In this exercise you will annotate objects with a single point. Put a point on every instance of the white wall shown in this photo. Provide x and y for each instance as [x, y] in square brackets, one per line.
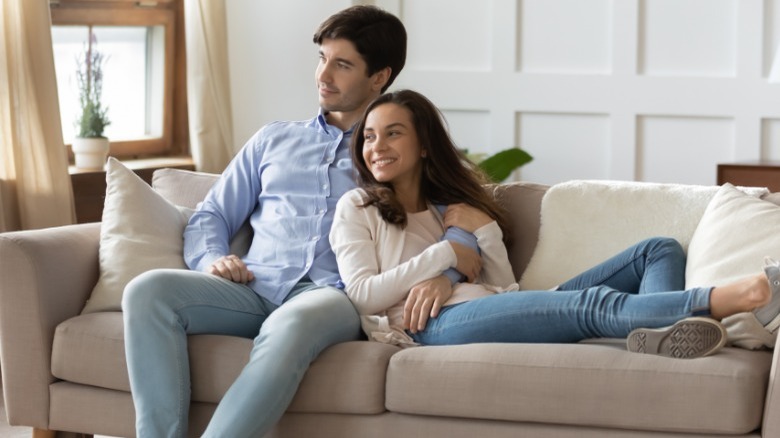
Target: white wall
[272, 60]
[647, 90]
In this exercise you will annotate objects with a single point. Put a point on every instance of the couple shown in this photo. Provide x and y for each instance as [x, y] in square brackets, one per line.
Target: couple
[286, 292]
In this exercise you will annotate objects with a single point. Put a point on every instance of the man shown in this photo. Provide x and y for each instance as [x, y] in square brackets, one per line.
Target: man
[284, 292]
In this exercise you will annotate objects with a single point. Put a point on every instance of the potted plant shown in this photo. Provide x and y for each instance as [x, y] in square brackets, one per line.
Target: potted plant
[500, 165]
[90, 147]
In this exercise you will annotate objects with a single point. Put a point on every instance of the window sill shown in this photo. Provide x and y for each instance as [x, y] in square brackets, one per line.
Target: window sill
[89, 185]
[141, 164]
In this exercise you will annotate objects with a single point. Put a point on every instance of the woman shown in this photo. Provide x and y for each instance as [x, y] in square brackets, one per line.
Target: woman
[387, 239]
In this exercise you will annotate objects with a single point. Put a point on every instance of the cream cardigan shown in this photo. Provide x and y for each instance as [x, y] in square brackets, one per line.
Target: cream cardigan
[368, 251]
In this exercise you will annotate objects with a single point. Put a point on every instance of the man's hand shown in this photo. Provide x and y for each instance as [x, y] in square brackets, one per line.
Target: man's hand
[469, 261]
[425, 300]
[466, 217]
[232, 268]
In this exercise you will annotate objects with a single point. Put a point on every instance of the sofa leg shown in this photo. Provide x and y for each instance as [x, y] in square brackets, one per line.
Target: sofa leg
[43, 433]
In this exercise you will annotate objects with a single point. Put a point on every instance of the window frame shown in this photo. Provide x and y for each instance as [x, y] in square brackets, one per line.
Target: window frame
[139, 13]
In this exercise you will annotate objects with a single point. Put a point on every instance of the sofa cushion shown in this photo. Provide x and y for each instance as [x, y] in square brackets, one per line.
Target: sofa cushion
[582, 384]
[345, 378]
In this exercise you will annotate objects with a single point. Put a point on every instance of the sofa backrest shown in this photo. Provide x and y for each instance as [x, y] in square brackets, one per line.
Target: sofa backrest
[184, 188]
[521, 199]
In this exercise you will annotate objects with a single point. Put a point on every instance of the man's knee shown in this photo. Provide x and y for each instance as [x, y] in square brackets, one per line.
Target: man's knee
[148, 288]
[321, 315]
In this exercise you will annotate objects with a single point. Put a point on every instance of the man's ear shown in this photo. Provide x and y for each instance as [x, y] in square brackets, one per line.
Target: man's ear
[381, 77]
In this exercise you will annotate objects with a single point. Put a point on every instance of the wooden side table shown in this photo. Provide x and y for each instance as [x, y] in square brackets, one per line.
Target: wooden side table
[752, 174]
[89, 186]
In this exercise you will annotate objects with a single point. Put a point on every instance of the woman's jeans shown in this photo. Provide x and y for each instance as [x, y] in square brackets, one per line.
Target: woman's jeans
[162, 307]
[640, 287]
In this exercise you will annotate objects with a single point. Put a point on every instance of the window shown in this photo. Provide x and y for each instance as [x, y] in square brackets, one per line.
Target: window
[146, 105]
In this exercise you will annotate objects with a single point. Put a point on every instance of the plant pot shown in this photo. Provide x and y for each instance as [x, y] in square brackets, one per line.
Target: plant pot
[90, 153]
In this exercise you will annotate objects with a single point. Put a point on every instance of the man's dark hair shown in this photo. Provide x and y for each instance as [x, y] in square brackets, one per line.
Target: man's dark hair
[378, 36]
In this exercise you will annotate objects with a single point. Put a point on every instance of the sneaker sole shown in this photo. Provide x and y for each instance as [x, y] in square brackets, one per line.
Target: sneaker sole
[686, 339]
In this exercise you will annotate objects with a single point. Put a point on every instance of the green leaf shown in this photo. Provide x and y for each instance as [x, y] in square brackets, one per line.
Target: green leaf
[500, 165]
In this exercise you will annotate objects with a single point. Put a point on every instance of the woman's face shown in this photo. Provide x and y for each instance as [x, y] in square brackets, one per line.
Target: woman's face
[391, 149]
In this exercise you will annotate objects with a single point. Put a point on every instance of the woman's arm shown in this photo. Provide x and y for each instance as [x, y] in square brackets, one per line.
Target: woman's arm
[364, 244]
[496, 269]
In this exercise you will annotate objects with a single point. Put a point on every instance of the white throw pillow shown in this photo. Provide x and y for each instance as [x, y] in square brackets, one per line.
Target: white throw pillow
[734, 235]
[140, 231]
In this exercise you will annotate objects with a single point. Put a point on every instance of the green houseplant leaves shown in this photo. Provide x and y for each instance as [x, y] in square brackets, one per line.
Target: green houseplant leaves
[500, 165]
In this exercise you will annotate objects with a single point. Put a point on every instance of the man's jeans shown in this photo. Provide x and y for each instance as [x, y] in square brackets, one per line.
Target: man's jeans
[640, 287]
[162, 307]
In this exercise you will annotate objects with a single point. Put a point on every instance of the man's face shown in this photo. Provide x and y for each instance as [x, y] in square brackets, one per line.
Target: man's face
[342, 80]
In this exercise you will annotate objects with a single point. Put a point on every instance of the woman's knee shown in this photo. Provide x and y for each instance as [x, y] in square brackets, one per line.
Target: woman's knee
[666, 246]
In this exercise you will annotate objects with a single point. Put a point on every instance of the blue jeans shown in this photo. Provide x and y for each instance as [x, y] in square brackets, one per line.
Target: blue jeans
[640, 287]
[162, 307]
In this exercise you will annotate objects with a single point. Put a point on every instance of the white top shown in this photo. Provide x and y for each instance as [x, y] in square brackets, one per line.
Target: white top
[378, 274]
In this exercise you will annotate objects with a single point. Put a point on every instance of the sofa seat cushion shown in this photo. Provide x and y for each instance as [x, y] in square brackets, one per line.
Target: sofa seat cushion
[582, 384]
[346, 378]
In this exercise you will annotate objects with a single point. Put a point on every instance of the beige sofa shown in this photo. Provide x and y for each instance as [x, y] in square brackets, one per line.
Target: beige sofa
[66, 371]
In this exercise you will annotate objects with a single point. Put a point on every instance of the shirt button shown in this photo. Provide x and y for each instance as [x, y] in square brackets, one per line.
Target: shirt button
[324, 187]
[313, 238]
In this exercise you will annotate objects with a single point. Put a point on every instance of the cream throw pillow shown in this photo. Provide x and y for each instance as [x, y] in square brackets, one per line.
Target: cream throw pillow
[736, 232]
[734, 235]
[140, 231]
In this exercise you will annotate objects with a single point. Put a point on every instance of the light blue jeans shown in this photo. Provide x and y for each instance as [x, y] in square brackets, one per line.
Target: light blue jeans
[640, 287]
[162, 307]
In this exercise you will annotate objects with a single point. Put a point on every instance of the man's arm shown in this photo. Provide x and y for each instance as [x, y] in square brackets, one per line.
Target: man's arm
[457, 235]
[227, 206]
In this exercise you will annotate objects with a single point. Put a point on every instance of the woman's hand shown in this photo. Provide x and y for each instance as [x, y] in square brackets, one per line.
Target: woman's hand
[425, 300]
[231, 267]
[466, 217]
[469, 261]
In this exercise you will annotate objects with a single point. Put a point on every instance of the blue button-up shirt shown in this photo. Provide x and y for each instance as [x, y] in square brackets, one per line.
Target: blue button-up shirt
[286, 180]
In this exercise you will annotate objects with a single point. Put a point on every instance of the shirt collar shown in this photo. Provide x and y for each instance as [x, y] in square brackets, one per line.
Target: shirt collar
[323, 122]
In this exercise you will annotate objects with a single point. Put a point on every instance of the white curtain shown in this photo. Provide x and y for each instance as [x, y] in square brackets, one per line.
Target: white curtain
[208, 85]
[35, 189]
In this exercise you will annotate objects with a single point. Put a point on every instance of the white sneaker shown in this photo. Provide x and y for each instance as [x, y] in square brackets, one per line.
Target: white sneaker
[769, 315]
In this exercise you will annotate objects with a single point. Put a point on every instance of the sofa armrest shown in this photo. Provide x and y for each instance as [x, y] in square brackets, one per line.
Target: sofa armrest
[771, 424]
[46, 276]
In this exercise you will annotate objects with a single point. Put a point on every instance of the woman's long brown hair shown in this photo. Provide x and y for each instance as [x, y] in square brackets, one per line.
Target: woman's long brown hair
[448, 177]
